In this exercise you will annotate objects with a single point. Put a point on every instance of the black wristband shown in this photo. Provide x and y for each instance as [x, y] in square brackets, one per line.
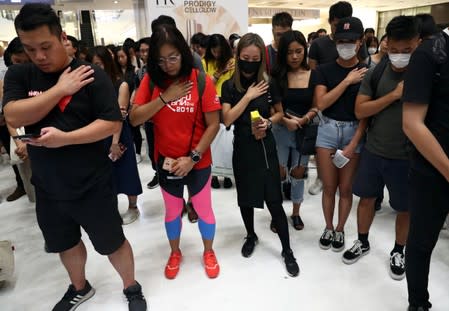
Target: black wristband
[160, 96]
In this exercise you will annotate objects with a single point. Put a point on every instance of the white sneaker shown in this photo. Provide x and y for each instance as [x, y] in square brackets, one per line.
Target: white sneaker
[138, 158]
[130, 216]
[316, 187]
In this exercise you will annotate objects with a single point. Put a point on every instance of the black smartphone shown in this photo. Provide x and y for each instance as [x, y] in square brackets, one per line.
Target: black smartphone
[27, 136]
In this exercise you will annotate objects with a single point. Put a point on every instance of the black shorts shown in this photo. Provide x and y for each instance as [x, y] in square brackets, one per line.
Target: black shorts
[96, 212]
[376, 172]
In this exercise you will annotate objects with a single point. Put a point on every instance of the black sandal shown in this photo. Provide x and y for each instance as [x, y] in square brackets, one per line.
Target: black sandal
[297, 222]
[273, 227]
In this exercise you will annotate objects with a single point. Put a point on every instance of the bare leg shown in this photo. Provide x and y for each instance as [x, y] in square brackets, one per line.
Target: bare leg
[329, 175]
[297, 173]
[123, 261]
[346, 177]
[402, 226]
[365, 214]
[74, 261]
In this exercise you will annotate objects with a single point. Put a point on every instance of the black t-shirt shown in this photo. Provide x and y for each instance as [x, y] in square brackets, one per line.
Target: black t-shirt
[230, 95]
[68, 172]
[272, 57]
[331, 75]
[298, 100]
[324, 50]
[427, 82]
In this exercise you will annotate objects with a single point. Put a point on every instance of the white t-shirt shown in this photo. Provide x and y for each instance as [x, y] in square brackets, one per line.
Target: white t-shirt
[446, 31]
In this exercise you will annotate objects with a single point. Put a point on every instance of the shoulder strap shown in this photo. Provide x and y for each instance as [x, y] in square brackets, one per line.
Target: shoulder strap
[377, 73]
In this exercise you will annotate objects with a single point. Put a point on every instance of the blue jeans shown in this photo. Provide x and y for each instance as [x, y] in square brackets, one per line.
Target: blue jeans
[333, 134]
[286, 144]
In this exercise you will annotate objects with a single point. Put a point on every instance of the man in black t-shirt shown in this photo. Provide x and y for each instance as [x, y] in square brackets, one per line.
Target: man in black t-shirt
[281, 23]
[384, 158]
[426, 123]
[69, 108]
[324, 50]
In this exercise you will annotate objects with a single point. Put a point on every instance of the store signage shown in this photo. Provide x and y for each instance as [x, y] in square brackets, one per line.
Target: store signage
[192, 16]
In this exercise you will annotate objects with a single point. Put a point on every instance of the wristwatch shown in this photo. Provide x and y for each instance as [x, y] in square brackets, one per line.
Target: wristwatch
[195, 156]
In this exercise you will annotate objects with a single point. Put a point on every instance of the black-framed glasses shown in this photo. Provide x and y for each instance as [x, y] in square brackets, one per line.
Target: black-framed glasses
[171, 60]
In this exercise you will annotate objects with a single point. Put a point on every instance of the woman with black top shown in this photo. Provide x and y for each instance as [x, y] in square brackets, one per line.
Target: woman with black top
[340, 134]
[122, 58]
[293, 85]
[120, 145]
[255, 162]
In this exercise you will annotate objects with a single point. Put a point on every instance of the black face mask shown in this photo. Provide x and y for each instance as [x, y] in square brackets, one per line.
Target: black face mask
[249, 67]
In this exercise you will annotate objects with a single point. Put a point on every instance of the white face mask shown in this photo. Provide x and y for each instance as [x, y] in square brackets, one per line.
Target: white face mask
[372, 51]
[346, 50]
[399, 60]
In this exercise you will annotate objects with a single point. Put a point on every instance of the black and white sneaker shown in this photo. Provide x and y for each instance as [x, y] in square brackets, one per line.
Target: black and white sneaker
[73, 298]
[338, 244]
[136, 300]
[397, 266]
[355, 252]
[290, 263]
[326, 239]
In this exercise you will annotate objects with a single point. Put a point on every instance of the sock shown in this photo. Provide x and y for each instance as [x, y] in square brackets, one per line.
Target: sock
[363, 237]
[397, 249]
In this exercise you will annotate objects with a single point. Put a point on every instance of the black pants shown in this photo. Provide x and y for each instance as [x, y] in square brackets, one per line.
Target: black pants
[137, 138]
[279, 219]
[429, 197]
[5, 138]
[149, 131]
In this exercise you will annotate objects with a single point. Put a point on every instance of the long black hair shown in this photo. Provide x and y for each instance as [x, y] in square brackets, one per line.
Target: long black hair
[218, 41]
[129, 65]
[281, 68]
[109, 65]
[168, 35]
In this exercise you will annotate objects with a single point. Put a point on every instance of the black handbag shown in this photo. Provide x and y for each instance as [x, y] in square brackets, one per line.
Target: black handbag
[306, 137]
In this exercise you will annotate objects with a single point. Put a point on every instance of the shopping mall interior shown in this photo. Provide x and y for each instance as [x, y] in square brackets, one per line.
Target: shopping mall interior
[259, 283]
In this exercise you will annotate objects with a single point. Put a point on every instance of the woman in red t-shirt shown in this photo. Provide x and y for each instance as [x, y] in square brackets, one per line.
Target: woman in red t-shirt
[184, 107]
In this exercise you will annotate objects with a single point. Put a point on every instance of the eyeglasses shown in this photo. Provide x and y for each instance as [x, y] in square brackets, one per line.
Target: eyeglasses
[171, 60]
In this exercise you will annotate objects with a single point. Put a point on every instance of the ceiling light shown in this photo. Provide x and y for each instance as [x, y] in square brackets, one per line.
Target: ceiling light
[115, 2]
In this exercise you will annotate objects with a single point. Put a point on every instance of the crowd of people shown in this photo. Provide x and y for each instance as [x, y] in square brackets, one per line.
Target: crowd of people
[374, 110]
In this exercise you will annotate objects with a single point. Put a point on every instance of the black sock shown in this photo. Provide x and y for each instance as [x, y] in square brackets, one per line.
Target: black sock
[363, 237]
[397, 249]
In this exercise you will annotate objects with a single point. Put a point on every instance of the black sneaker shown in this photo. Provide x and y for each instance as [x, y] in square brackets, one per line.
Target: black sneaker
[326, 239]
[215, 183]
[136, 300]
[154, 182]
[249, 245]
[290, 263]
[227, 183]
[338, 243]
[397, 266]
[73, 298]
[355, 252]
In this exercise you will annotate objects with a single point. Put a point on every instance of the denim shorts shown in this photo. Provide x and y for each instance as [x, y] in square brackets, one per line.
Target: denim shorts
[333, 134]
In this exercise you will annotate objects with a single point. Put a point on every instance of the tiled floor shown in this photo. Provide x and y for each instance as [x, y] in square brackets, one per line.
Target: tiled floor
[259, 283]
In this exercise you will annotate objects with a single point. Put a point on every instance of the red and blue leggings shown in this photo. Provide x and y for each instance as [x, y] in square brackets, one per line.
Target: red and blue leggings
[198, 183]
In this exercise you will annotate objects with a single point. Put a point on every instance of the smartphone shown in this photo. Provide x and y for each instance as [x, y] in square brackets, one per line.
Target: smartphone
[27, 137]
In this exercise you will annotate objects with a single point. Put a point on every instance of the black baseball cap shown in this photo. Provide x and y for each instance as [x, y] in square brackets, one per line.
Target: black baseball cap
[349, 28]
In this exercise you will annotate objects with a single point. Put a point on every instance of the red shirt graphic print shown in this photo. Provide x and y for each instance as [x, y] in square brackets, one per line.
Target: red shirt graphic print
[173, 124]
